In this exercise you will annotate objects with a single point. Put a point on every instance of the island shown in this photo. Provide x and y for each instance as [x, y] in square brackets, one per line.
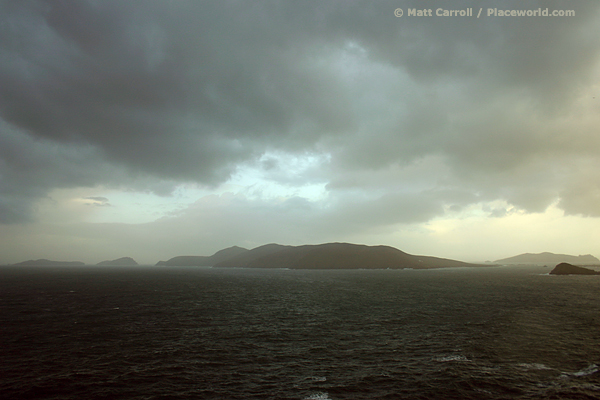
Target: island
[336, 256]
[119, 262]
[569, 269]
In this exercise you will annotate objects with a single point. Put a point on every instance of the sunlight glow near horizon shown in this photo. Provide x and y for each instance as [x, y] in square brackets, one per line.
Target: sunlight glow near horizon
[474, 236]
[468, 235]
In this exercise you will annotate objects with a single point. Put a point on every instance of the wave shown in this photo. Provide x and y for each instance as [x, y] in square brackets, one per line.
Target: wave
[589, 370]
[454, 358]
[534, 366]
[318, 396]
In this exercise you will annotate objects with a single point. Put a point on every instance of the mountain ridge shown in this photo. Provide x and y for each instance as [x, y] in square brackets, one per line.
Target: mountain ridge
[336, 256]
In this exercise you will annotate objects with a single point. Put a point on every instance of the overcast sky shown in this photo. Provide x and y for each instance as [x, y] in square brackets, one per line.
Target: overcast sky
[153, 129]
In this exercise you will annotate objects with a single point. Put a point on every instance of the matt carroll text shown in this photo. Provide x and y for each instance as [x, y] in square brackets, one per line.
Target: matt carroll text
[439, 12]
[490, 12]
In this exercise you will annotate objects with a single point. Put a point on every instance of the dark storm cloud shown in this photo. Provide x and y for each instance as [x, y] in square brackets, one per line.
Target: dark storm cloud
[145, 94]
[177, 91]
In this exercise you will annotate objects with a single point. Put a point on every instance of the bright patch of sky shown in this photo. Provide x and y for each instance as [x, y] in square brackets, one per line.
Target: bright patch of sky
[281, 175]
[276, 175]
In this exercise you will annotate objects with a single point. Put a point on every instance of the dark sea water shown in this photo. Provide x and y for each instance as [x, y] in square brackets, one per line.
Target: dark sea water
[203, 333]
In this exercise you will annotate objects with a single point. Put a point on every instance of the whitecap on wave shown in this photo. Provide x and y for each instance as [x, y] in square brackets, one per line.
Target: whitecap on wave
[592, 369]
[455, 358]
[533, 366]
[318, 396]
[589, 370]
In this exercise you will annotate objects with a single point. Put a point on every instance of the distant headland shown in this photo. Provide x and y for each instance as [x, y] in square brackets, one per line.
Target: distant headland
[49, 263]
[549, 259]
[119, 262]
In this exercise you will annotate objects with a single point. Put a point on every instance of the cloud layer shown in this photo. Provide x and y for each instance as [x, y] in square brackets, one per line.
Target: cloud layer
[407, 118]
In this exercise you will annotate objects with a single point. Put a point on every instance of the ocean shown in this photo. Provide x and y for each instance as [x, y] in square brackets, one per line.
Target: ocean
[205, 333]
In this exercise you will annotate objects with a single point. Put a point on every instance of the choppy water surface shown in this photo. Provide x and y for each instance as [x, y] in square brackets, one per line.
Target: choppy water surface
[202, 333]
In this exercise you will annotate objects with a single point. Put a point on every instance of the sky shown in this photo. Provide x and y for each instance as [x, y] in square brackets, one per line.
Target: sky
[153, 129]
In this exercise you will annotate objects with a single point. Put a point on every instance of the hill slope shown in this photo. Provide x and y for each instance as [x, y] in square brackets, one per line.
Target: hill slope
[205, 261]
[245, 259]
